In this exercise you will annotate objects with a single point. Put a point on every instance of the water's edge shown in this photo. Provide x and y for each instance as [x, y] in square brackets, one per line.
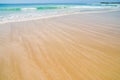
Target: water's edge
[16, 13]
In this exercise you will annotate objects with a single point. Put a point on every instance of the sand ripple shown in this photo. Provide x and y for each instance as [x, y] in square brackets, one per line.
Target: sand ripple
[76, 47]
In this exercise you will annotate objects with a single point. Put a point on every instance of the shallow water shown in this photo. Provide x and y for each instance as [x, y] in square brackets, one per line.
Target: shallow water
[18, 12]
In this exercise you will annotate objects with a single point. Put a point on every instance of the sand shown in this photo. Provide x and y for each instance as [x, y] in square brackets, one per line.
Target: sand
[72, 47]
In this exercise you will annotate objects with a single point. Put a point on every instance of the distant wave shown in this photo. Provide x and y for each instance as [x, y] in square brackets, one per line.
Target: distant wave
[32, 8]
[52, 7]
[10, 9]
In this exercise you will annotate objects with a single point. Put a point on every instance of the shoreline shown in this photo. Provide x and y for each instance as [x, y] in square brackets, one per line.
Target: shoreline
[59, 16]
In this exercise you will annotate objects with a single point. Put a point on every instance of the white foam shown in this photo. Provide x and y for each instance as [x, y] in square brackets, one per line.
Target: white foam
[92, 7]
[32, 13]
[26, 9]
[16, 18]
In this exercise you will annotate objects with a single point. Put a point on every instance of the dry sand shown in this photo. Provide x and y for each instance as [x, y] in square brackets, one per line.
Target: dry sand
[73, 47]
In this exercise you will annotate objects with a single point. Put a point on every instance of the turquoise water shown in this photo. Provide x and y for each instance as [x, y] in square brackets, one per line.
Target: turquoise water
[17, 12]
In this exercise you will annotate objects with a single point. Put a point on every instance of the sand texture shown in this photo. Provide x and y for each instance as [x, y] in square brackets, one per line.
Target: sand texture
[73, 47]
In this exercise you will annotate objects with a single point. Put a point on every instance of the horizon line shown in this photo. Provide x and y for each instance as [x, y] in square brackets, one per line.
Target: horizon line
[49, 3]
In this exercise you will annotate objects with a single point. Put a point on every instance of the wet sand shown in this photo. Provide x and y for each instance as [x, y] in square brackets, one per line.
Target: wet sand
[72, 47]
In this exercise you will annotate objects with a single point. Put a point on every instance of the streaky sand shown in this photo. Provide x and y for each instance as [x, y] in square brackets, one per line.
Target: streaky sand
[72, 47]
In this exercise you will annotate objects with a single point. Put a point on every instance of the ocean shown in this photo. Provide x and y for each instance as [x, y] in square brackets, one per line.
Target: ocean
[20, 12]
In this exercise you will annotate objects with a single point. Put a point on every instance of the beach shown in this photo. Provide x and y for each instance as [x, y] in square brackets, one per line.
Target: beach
[70, 47]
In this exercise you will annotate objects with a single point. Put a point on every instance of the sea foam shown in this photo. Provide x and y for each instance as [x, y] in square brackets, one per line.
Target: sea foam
[17, 13]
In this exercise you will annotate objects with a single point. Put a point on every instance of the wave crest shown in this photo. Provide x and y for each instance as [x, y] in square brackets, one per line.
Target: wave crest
[26, 9]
